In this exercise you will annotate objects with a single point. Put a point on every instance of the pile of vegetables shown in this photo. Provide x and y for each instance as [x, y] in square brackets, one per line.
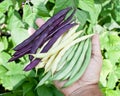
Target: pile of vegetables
[58, 48]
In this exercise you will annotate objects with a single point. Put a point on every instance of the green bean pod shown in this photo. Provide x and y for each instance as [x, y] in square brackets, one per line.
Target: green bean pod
[82, 69]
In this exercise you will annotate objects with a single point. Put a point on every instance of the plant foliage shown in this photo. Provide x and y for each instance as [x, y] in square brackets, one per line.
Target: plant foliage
[16, 16]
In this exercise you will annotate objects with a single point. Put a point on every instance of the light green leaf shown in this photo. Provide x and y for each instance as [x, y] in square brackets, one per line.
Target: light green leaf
[1, 45]
[13, 81]
[37, 2]
[106, 69]
[98, 29]
[114, 47]
[112, 80]
[104, 40]
[110, 41]
[117, 72]
[30, 20]
[4, 57]
[14, 69]
[113, 25]
[14, 20]
[110, 92]
[18, 3]
[26, 11]
[2, 69]
[19, 34]
[115, 54]
[114, 38]
[5, 5]
[5, 43]
[2, 18]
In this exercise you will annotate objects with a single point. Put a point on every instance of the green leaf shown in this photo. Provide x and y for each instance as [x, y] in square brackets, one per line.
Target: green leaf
[113, 25]
[62, 4]
[2, 18]
[110, 41]
[30, 93]
[110, 92]
[19, 34]
[92, 8]
[113, 49]
[115, 54]
[116, 10]
[104, 40]
[5, 43]
[14, 69]
[40, 8]
[27, 89]
[26, 11]
[55, 91]
[112, 80]
[2, 69]
[37, 2]
[18, 3]
[82, 17]
[14, 20]
[1, 45]
[88, 5]
[4, 57]
[30, 20]
[16, 93]
[106, 69]
[44, 91]
[52, 1]
[117, 72]
[17, 28]
[12, 82]
[5, 5]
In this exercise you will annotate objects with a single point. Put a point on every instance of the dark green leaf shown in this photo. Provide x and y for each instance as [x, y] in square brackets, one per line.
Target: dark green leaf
[62, 4]
[28, 89]
[44, 91]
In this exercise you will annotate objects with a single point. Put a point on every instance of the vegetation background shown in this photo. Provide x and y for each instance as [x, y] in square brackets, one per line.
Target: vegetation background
[16, 16]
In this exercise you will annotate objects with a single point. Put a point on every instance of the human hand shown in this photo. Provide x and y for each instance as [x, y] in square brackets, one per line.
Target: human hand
[92, 73]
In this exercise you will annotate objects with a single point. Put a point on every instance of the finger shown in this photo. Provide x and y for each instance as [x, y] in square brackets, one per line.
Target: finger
[39, 22]
[31, 31]
[96, 45]
[65, 91]
[93, 70]
[59, 84]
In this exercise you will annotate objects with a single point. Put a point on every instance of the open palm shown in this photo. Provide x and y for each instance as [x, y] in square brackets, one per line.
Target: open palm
[92, 73]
